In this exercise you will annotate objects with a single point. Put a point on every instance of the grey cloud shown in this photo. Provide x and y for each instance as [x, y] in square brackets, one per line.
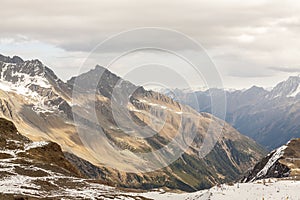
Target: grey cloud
[243, 37]
[286, 69]
[251, 74]
[79, 25]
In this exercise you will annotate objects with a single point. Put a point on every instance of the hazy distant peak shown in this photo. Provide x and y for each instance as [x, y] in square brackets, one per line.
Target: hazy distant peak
[256, 88]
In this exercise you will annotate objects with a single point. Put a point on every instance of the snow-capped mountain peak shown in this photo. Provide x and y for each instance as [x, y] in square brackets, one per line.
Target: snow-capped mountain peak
[31, 79]
[288, 88]
[21, 76]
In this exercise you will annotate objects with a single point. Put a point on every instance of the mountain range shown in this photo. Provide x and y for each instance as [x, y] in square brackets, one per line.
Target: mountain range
[270, 117]
[43, 108]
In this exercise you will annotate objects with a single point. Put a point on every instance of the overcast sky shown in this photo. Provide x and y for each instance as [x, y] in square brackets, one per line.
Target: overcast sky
[251, 43]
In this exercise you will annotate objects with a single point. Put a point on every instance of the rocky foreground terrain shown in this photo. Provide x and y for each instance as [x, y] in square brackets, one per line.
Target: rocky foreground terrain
[39, 170]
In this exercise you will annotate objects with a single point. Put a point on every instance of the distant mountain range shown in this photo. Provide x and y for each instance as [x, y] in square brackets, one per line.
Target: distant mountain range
[42, 108]
[270, 117]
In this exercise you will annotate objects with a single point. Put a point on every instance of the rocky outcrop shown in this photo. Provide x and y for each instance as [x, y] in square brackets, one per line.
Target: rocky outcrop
[281, 163]
[22, 150]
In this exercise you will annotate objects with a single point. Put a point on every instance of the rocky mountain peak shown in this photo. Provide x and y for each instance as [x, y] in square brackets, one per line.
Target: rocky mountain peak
[254, 91]
[15, 70]
[256, 88]
[29, 66]
[14, 59]
[100, 79]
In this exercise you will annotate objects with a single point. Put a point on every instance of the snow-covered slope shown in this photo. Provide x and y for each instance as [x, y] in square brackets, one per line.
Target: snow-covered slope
[269, 189]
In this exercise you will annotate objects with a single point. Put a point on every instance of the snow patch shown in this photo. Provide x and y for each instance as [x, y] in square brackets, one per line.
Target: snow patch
[295, 92]
[35, 145]
[278, 153]
[272, 189]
